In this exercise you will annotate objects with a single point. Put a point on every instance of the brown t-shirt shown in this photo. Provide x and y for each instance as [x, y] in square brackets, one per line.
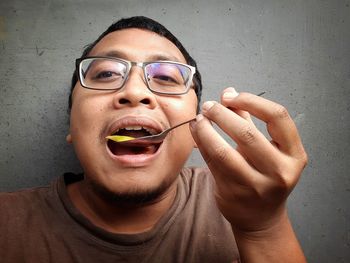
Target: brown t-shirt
[42, 225]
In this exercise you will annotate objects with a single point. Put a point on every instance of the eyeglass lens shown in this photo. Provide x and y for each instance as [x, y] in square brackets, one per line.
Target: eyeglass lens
[104, 73]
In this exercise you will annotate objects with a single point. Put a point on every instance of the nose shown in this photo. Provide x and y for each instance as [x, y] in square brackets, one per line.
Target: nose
[135, 92]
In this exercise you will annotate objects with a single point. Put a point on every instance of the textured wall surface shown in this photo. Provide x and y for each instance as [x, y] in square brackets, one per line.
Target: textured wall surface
[297, 51]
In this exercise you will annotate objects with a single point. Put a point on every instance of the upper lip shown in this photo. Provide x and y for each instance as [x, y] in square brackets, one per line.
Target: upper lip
[128, 121]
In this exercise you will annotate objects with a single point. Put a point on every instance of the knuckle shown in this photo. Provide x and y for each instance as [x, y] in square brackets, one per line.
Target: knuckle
[284, 183]
[304, 158]
[218, 154]
[285, 178]
[281, 112]
[247, 135]
[280, 183]
[221, 154]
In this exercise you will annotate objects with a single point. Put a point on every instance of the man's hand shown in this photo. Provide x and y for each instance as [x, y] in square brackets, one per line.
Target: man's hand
[254, 179]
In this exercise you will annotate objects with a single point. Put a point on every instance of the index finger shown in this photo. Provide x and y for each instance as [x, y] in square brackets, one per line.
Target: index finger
[280, 125]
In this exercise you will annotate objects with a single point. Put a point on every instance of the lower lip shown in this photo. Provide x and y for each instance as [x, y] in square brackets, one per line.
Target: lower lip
[135, 160]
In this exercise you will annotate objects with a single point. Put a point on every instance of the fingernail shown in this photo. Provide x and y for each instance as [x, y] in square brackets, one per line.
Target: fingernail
[207, 105]
[229, 94]
[194, 122]
[199, 117]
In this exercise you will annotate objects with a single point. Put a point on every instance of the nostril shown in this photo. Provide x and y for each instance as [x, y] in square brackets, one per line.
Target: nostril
[146, 101]
[123, 101]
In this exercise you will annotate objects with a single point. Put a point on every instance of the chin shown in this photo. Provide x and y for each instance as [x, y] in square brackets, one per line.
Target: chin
[133, 195]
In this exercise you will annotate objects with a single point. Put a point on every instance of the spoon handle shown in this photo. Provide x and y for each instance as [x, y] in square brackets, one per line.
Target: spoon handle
[151, 138]
[160, 136]
[182, 123]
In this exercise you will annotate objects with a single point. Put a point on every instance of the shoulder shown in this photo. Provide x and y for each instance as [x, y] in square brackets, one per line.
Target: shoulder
[21, 195]
[22, 202]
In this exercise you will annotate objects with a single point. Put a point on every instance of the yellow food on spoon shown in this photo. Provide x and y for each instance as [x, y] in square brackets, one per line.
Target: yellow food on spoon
[120, 138]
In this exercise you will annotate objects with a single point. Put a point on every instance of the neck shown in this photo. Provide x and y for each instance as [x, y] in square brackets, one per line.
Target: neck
[120, 217]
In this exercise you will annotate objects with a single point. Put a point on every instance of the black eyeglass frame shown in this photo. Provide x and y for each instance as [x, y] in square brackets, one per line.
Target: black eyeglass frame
[129, 65]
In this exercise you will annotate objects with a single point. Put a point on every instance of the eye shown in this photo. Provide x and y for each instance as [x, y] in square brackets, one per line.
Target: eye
[104, 74]
[107, 75]
[165, 78]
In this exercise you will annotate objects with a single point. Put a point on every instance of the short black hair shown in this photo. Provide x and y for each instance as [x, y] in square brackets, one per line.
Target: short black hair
[149, 24]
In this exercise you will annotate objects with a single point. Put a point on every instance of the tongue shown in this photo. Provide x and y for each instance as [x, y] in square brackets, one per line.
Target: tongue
[119, 149]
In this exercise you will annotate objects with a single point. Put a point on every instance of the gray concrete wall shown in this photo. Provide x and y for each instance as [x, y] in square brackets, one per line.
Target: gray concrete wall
[297, 51]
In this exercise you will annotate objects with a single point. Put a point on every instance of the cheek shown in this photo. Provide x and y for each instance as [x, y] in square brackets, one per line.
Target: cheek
[180, 109]
[84, 117]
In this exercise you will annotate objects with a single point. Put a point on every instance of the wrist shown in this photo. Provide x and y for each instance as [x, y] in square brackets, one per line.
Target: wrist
[276, 243]
[267, 230]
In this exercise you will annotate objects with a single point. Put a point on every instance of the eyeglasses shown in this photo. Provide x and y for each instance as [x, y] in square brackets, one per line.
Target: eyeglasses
[108, 73]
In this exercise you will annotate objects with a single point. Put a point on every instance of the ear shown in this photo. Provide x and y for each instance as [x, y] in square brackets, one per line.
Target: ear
[69, 139]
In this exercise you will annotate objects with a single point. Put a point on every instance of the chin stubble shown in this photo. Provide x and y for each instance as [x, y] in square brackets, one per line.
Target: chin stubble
[133, 197]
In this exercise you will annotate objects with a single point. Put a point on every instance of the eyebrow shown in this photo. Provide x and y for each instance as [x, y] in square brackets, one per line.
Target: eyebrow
[152, 57]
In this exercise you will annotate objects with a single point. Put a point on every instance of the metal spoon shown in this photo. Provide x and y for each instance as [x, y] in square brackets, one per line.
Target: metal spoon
[156, 138]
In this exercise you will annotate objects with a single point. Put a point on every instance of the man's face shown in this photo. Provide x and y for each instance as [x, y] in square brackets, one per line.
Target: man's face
[97, 114]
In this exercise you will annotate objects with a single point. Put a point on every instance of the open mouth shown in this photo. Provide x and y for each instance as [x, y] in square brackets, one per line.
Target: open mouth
[133, 148]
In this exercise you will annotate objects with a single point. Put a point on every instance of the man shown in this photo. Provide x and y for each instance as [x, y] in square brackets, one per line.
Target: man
[136, 202]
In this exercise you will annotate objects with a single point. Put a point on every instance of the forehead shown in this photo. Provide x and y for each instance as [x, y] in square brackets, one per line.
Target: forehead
[137, 45]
